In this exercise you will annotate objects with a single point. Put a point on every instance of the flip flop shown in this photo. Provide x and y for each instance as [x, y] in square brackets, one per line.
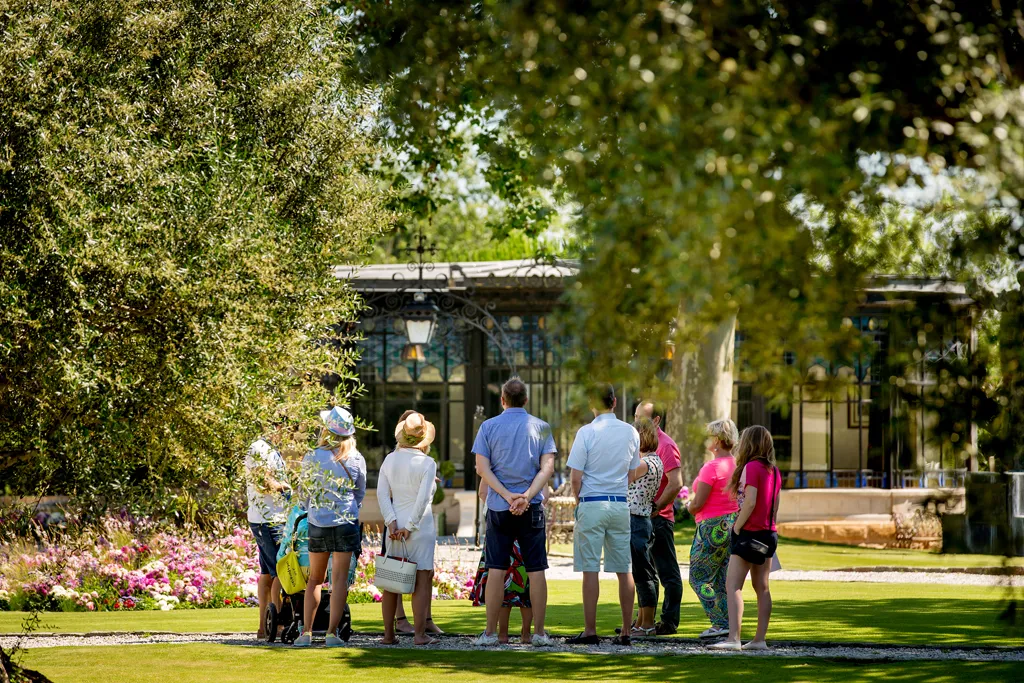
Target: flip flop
[432, 641]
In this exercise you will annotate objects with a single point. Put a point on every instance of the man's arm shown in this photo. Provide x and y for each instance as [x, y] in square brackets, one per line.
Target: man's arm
[638, 472]
[483, 469]
[547, 469]
[672, 489]
[576, 478]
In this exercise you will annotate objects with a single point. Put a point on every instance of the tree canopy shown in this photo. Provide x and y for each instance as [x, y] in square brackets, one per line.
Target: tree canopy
[176, 180]
[685, 130]
[691, 133]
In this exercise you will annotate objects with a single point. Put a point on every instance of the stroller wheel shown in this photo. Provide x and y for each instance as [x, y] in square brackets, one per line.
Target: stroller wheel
[272, 622]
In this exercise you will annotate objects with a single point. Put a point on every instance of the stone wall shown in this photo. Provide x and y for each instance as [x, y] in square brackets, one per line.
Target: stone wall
[904, 518]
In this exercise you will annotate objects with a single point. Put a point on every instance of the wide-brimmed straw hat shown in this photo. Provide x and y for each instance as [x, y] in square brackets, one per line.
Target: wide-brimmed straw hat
[339, 421]
[415, 431]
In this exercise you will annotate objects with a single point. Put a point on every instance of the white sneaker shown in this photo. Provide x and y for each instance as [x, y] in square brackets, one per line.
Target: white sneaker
[333, 641]
[754, 645]
[714, 633]
[725, 645]
[305, 640]
[542, 640]
[486, 639]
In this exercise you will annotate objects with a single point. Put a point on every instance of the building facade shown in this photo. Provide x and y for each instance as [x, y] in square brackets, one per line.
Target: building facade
[492, 320]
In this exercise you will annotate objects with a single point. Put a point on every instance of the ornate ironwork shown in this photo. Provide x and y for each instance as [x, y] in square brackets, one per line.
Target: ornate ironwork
[463, 310]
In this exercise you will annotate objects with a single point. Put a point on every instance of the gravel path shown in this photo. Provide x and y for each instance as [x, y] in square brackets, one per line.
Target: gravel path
[661, 646]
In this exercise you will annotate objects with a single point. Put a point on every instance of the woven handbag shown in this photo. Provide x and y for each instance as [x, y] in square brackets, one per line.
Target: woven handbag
[395, 574]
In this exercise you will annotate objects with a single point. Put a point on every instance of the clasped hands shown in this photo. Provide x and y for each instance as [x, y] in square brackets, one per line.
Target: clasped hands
[396, 534]
[518, 503]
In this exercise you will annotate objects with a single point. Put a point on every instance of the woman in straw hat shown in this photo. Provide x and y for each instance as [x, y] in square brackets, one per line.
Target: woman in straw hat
[405, 490]
[333, 484]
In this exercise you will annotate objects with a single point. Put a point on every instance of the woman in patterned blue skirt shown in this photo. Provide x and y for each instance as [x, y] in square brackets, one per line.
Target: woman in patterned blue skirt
[714, 510]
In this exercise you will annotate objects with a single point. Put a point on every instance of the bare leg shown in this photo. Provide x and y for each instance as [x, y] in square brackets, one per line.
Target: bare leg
[389, 603]
[538, 599]
[275, 593]
[403, 622]
[738, 568]
[494, 595]
[263, 589]
[503, 618]
[759, 580]
[626, 591]
[591, 592]
[645, 618]
[317, 574]
[339, 588]
[526, 613]
[421, 605]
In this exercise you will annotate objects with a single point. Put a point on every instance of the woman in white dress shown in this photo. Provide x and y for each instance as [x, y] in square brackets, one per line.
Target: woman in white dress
[405, 491]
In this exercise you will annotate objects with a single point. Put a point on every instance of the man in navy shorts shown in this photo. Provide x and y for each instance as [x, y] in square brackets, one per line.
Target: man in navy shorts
[515, 456]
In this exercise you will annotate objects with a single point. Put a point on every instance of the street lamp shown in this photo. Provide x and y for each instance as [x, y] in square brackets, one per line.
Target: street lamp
[420, 320]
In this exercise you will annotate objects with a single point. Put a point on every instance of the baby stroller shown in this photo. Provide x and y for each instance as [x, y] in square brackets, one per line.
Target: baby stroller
[290, 615]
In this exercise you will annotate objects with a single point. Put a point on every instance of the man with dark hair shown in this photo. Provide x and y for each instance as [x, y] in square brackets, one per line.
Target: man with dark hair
[663, 545]
[513, 393]
[515, 456]
[604, 460]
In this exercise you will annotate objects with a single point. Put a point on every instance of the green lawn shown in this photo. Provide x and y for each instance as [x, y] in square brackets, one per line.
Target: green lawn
[228, 664]
[796, 554]
[841, 612]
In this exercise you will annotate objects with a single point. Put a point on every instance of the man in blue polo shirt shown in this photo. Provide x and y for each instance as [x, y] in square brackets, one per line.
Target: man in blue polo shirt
[515, 456]
[604, 459]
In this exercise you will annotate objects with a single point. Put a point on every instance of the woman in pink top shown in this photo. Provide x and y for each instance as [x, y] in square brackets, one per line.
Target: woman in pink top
[714, 510]
[757, 484]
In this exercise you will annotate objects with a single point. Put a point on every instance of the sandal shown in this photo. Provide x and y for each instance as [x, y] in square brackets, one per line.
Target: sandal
[433, 628]
[638, 632]
[430, 641]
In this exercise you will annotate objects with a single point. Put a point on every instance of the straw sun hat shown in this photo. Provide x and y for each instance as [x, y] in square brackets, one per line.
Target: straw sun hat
[414, 431]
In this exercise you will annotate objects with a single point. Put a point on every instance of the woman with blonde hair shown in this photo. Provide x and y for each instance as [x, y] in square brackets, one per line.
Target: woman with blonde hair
[714, 511]
[756, 483]
[405, 490]
[640, 497]
[334, 484]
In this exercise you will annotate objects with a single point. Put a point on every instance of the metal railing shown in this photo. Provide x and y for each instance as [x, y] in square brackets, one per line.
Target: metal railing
[857, 479]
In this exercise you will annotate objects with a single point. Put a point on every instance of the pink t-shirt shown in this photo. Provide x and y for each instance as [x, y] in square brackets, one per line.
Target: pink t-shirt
[717, 474]
[768, 482]
[668, 451]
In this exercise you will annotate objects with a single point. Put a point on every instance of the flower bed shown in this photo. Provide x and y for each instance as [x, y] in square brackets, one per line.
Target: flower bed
[123, 567]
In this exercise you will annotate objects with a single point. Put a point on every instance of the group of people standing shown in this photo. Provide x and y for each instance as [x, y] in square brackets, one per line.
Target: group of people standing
[625, 478]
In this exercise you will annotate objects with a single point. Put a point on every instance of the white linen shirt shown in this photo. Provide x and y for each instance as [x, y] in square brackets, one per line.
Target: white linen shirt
[605, 450]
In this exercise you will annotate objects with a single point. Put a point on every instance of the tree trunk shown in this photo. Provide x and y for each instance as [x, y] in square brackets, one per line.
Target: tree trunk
[703, 381]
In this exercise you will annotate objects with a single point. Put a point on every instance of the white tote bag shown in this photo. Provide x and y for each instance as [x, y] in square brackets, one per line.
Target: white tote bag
[395, 574]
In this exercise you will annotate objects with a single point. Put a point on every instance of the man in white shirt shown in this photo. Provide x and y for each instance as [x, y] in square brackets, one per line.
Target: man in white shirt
[603, 461]
[266, 483]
